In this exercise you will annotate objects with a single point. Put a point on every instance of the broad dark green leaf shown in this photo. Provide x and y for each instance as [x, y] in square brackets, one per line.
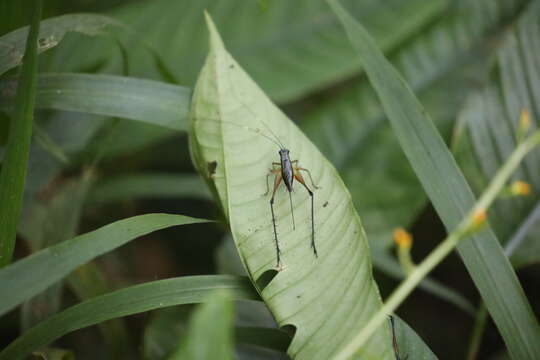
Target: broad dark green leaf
[450, 194]
[273, 41]
[210, 323]
[128, 301]
[15, 162]
[52, 31]
[149, 185]
[149, 101]
[36, 272]
[228, 112]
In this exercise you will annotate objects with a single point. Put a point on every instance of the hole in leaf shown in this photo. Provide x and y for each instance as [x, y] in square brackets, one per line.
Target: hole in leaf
[265, 278]
[289, 329]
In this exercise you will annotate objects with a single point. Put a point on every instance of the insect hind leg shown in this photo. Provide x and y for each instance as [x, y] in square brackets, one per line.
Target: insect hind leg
[277, 182]
[300, 179]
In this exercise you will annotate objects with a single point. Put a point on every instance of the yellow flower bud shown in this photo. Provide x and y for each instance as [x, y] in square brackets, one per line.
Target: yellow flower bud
[479, 218]
[402, 238]
[520, 188]
[524, 120]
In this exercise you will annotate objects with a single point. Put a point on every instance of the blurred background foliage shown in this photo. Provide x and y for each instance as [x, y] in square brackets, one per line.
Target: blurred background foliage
[473, 64]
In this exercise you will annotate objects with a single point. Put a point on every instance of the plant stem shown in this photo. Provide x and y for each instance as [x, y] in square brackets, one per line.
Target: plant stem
[478, 331]
[442, 250]
[14, 166]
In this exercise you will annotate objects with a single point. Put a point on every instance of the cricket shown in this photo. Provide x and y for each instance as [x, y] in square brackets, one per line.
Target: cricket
[285, 171]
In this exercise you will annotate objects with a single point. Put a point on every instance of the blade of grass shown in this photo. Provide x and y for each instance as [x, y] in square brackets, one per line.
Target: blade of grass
[210, 323]
[36, 272]
[128, 301]
[89, 281]
[46, 223]
[144, 100]
[450, 194]
[15, 161]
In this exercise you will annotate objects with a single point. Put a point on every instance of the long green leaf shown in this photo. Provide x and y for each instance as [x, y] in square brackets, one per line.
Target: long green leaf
[51, 33]
[128, 301]
[450, 194]
[88, 281]
[55, 219]
[150, 101]
[13, 173]
[36, 272]
[149, 185]
[210, 323]
[228, 112]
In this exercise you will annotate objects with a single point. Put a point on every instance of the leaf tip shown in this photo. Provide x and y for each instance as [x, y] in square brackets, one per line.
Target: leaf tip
[214, 37]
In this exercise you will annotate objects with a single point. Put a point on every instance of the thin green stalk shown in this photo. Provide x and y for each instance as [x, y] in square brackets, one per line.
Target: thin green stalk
[14, 167]
[405, 259]
[441, 251]
[49, 145]
[478, 331]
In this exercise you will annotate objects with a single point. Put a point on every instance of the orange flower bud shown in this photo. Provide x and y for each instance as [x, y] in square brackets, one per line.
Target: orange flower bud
[520, 188]
[524, 120]
[479, 218]
[402, 238]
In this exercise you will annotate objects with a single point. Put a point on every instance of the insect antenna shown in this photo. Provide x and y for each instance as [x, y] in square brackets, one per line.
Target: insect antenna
[255, 130]
[277, 141]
